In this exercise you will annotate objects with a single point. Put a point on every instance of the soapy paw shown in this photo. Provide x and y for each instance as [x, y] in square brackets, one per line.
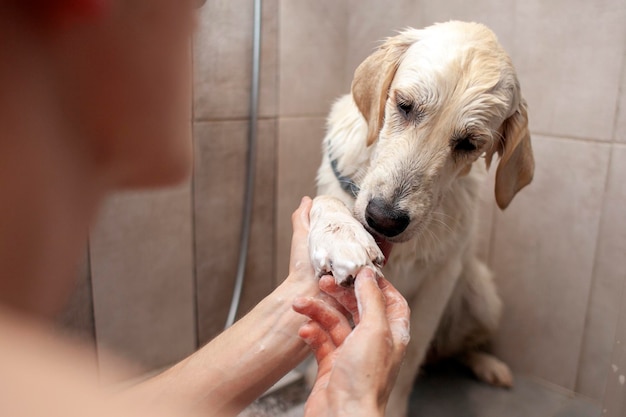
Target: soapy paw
[339, 244]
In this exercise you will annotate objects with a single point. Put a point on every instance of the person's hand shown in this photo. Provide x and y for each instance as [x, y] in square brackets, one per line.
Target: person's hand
[356, 368]
[301, 271]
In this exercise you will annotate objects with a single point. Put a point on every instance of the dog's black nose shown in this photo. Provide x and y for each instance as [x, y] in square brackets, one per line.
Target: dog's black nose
[386, 219]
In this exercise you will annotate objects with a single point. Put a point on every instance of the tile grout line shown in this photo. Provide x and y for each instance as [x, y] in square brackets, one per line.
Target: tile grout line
[572, 138]
[93, 307]
[277, 145]
[194, 256]
[324, 116]
[620, 91]
[261, 118]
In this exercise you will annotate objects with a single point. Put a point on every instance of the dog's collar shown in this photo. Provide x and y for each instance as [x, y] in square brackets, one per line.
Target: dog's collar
[346, 183]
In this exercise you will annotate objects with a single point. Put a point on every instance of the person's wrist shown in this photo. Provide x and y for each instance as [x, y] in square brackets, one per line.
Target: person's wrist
[301, 285]
[365, 407]
[302, 279]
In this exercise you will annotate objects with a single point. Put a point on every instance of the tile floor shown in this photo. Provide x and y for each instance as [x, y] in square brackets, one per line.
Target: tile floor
[449, 391]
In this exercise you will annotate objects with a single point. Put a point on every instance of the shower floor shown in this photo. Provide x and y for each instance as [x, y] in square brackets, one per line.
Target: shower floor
[449, 391]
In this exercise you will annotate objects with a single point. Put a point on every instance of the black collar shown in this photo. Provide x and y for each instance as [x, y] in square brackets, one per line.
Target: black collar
[346, 183]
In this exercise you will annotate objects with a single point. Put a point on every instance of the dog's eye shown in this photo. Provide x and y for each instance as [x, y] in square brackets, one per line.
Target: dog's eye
[464, 144]
[405, 108]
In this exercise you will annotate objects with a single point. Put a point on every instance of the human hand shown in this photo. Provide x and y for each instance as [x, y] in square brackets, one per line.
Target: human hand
[301, 271]
[356, 368]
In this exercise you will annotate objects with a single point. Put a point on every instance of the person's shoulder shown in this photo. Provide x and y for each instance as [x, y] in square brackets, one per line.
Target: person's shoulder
[43, 373]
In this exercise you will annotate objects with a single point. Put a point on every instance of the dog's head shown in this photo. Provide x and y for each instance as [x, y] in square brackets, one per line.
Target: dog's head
[435, 100]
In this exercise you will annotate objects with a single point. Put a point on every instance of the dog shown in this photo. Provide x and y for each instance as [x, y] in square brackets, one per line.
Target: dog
[400, 180]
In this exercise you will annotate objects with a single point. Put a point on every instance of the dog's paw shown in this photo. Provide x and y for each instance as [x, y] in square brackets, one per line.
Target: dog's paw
[491, 370]
[340, 245]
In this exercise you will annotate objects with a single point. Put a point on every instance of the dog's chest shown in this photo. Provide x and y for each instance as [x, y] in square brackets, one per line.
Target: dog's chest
[429, 256]
[406, 270]
[406, 276]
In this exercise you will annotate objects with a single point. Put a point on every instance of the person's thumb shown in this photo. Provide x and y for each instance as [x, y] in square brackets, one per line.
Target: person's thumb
[370, 299]
[299, 240]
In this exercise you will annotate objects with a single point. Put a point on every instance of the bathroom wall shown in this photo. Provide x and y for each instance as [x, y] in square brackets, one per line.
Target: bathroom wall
[223, 59]
[312, 56]
[159, 271]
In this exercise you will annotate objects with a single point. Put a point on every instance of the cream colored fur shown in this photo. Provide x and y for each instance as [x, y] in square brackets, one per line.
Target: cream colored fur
[461, 85]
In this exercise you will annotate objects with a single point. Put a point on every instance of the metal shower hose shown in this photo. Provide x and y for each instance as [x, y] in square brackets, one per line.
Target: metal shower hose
[244, 242]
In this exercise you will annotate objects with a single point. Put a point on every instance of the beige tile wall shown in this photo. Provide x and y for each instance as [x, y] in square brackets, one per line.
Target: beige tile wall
[223, 59]
[223, 74]
[312, 56]
[569, 57]
[614, 403]
[371, 21]
[299, 156]
[608, 280]
[142, 277]
[543, 255]
[218, 206]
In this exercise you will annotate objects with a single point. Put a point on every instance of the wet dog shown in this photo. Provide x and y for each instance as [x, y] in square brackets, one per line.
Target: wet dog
[404, 157]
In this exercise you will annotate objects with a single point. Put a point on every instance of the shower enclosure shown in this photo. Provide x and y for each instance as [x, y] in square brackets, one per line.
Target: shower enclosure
[160, 271]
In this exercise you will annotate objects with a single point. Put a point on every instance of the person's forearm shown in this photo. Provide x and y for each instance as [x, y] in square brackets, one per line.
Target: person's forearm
[242, 362]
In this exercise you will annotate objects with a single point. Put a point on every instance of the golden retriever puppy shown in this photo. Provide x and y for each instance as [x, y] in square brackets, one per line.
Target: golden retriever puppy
[400, 181]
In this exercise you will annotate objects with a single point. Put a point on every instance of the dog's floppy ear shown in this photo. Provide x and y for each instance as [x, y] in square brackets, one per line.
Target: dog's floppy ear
[370, 85]
[516, 165]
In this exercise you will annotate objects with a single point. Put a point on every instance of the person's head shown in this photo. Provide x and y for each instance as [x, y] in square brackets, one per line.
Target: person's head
[94, 96]
[119, 70]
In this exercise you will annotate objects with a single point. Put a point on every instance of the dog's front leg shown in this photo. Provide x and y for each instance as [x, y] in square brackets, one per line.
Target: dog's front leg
[427, 308]
[338, 243]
